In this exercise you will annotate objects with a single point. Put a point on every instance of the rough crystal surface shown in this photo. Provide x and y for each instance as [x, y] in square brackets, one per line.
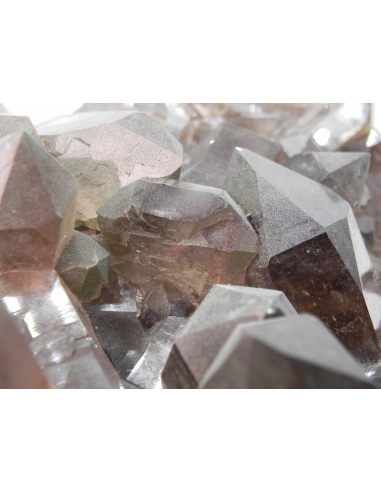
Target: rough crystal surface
[310, 248]
[12, 123]
[120, 334]
[18, 367]
[288, 352]
[344, 172]
[210, 326]
[186, 236]
[84, 266]
[37, 205]
[147, 372]
[209, 162]
[161, 302]
[108, 150]
[57, 330]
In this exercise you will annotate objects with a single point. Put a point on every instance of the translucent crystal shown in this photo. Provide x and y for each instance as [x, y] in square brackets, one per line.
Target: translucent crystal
[210, 326]
[288, 352]
[344, 172]
[11, 123]
[57, 330]
[95, 107]
[84, 266]
[37, 205]
[147, 372]
[311, 249]
[186, 236]
[108, 150]
[18, 367]
[210, 160]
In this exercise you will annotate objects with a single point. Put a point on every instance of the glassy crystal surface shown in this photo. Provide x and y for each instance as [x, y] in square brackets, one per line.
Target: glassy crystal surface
[288, 352]
[344, 172]
[84, 267]
[310, 248]
[95, 107]
[37, 205]
[18, 367]
[209, 162]
[108, 150]
[186, 236]
[147, 372]
[11, 123]
[57, 330]
[161, 302]
[120, 334]
[210, 326]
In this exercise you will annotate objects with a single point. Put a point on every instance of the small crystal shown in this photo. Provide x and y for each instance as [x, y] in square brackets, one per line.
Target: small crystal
[288, 352]
[84, 266]
[148, 370]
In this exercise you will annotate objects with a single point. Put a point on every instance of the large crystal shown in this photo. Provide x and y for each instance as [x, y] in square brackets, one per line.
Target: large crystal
[120, 334]
[37, 205]
[344, 172]
[291, 352]
[108, 150]
[3, 109]
[147, 372]
[84, 266]
[96, 107]
[57, 330]
[310, 248]
[18, 367]
[11, 123]
[161, 302]
[210, 326]
[210, 160]
[187, 236]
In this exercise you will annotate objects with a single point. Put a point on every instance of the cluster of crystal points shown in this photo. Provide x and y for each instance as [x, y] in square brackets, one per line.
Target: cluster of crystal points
[191, 245]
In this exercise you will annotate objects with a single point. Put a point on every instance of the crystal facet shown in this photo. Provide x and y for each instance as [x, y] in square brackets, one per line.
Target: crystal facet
[210, 326]
[186, 236]
[108, 150]
[37, 205]
[84, 266]
[57, 330]
[11, 123]
[311, 249]
[210, 161]
[288, 352]
[344, 172]
[147, 372]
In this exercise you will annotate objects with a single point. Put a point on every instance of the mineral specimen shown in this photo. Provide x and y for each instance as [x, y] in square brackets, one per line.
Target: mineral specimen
[292, 352]
[120, 334]
[108, 150]
[147, 372]
[84, 266]
[344, 172]
[210, 326]
[11, 123]
[18, 367]
[186, 236]
[57, 330]
[310, 248]
[96, 107]
[3, 109]
[161, 302]
[37, 205]
[210, 160]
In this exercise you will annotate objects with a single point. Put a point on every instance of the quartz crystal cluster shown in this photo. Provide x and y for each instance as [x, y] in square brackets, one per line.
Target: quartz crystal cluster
[191, 246]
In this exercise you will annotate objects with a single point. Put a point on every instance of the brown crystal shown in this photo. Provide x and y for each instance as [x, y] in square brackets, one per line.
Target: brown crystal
[37, 205]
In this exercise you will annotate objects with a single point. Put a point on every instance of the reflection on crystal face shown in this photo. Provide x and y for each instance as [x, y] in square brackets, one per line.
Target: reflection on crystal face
[108, 150]
[288, 352]
[186, 236]
[308, 234]
[53, 323]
